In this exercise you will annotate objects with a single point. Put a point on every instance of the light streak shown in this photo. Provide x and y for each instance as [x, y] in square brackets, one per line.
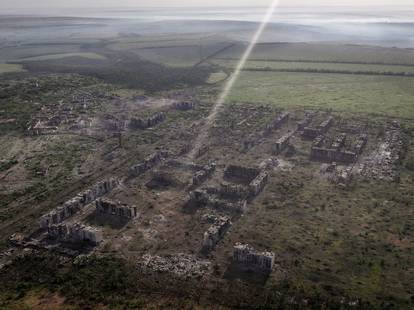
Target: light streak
[204, 131]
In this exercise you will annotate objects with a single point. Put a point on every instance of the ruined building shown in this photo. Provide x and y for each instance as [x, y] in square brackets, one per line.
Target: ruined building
[281, 144]
[75, 233]
[144, 123]
[258, 183]
[148, 163]
[244, 174]
[203, 174]
[278, 122]
[305, 122]
[248, 258]
[184, 105]
[204, 197]
[312, 133]
[216, 231]
[106, 206]
[75, 204]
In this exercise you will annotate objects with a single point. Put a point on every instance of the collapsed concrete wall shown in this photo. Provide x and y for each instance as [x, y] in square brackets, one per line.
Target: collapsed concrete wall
[203, 174]
[184, 105]
[248, 258]
[312, 133]
[305, 122]
[360, 144]
[149, 162]
[278, 122]
[245, 174]
[75, 204]
[144, 123]
[215, 232]
[75, 233]
[106, 206]
[203, 198]
[281, 144]
[332, 155]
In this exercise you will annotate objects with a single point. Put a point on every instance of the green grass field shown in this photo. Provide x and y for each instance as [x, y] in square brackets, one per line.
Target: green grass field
[64, 55]
[378, 95]
[7, 68]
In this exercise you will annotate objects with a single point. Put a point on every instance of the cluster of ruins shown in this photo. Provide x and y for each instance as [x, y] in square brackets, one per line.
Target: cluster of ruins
[203, 174]
[282, 143]
[184, 105]
[256, 179]
[144, 123]
[75, 233]
[109, 207]
[214, 197]
[75, 204]
[150, 162]
[219, 227]
[248, 258]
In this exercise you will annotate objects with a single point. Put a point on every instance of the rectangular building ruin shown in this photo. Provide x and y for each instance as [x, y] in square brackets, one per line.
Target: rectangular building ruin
[244, 174]
[72, 206]
[215, 233]
[144, 123]
[281, 144]
[149, 162]
[248, 258]
[278, 122]
[109, 207]
[204, 198]
[257, 185]
[312, 133]
[75, 233]
[203, 174]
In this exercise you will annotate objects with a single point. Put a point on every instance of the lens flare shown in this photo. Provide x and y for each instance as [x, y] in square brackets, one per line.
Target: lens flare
[203, 135]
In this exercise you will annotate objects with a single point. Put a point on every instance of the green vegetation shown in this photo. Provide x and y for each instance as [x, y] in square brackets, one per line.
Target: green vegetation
[376, 95]
[7, 68]
[64, 55]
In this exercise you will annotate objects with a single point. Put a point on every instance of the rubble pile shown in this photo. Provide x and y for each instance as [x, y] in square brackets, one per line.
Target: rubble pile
[144, 123]
[382, 163]
[106, 206]
[75, 233]
[215, 232]
[181, 265]
[305, 122]
[148, 163]
[203, 174]
[248, 258]
[75, 204]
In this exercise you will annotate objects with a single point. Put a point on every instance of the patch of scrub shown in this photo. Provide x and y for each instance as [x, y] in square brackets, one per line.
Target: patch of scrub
[7, 68]
[60, 56]
[217, 77]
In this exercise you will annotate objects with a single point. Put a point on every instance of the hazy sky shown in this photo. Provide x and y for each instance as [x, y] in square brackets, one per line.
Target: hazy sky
[187, 3]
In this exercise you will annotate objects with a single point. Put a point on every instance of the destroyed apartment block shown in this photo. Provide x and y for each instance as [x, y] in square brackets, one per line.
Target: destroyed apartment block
[247, 258]
[257, 185]
[203, 174]
[312, 133]
[150, 162]
[305, 122]
[75, 233]
[144, 123]
[281, 144]
[215, 232]
[109, 207]
[278, 122]
[75, 204]
[244, 174]
[204, 198]
[184, 105]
